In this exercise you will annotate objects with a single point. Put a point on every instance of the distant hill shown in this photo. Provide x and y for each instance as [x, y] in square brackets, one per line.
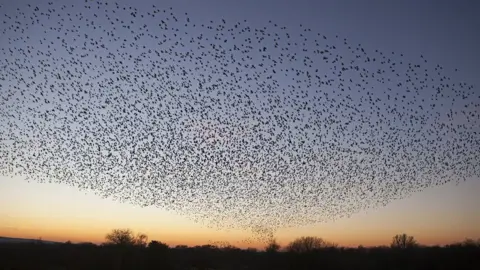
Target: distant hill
[9, 240]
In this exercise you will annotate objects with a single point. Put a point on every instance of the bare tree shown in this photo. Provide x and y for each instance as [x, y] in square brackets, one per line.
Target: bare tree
[141, 240]
[403, 241]
[272, 246]
[308, 244]
[126, 237]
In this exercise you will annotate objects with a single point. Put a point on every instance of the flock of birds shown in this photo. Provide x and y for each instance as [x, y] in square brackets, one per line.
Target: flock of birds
[235, 126]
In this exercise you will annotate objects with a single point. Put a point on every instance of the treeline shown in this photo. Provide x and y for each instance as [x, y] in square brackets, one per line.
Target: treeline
[125, 250]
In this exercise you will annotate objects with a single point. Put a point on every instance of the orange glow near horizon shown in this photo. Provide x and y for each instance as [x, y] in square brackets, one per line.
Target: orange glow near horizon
[56, 212]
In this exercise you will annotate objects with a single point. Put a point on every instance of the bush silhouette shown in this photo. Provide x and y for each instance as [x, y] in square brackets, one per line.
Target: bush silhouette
[156, 245]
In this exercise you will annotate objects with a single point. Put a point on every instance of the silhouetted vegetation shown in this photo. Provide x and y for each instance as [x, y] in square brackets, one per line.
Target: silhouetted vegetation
[126, 237]
[272, 246]
[403, 241]
[125, 250]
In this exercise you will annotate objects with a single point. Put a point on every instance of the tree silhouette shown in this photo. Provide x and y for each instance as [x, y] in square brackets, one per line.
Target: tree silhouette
[308, 244]
[141, 240]
[126, 237]
[272, 246]
[403, 241]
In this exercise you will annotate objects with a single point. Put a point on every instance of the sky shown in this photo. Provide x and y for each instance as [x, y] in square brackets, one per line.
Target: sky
[441, 31]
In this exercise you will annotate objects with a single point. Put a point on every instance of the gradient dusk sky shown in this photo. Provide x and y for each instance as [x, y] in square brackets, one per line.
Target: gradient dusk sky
[445, 32]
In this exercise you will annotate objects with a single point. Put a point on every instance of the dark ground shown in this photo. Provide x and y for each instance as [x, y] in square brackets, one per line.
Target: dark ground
[39, 256]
